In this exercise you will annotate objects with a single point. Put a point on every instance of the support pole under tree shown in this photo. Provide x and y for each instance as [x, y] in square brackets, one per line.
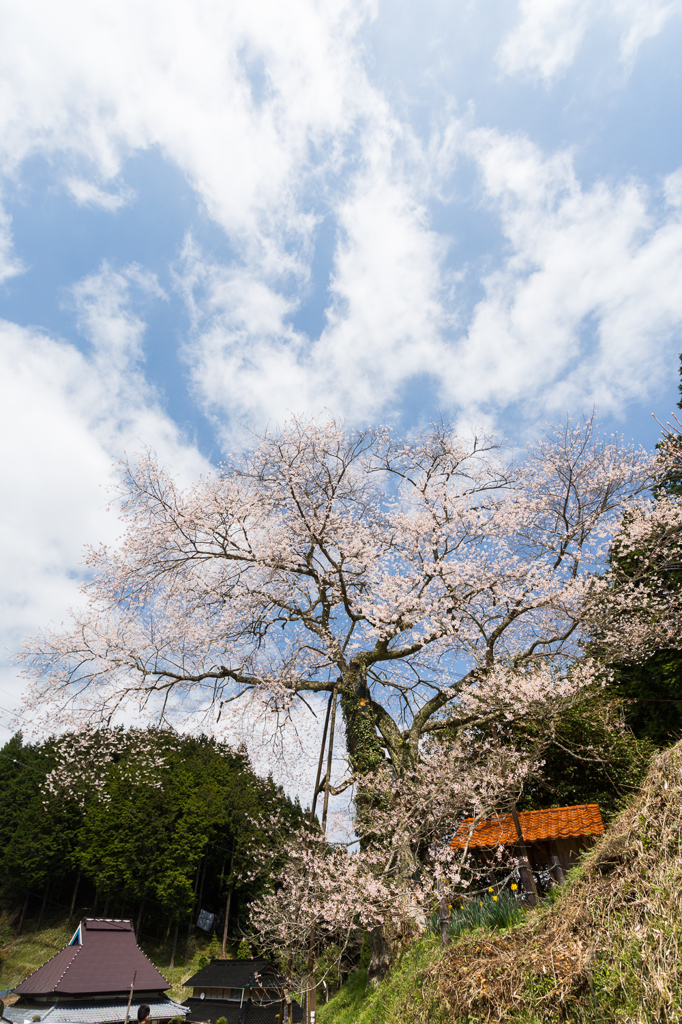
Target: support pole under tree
[525, 869]
[320, 762]
[73, 898]
[330, 751]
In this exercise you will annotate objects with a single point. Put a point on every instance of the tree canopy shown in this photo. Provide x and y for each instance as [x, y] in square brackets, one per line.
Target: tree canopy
[148, 817]
[401, 571]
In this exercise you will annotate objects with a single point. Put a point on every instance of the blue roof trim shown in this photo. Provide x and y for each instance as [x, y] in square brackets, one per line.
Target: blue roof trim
[77, 940]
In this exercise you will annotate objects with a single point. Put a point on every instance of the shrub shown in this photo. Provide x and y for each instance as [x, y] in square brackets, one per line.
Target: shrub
[491, 910]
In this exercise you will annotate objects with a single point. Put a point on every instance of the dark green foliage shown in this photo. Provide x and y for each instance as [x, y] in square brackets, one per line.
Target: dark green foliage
[652, 690]
[36, 846]
[592, 759]
[160, 846]
[653, 695]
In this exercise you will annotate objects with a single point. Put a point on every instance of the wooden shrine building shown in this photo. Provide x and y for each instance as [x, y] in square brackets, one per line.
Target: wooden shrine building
[89, 981]
[551, 839]
[241, 991]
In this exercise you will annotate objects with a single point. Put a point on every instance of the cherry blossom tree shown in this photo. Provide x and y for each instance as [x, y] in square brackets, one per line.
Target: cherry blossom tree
[437, 584]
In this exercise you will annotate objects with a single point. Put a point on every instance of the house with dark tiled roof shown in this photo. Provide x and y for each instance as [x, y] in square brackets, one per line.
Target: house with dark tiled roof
[552, 838]
[89, 981]
[241, 992]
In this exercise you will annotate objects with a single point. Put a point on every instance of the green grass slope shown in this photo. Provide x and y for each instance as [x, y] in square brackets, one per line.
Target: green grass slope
[409, 993]
[606, 950]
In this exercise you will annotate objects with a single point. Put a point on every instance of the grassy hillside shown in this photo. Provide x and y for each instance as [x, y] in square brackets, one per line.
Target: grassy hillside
[606, 950]
[409, 993]
[20, 956]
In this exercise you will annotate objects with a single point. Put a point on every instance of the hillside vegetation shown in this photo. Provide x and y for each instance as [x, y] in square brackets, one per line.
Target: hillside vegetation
[607, 948]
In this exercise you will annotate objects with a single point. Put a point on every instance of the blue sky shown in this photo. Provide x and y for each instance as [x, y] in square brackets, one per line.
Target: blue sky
[215, 215]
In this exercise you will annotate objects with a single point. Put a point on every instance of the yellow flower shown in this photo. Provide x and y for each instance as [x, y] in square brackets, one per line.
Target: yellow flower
[494, 899]
[490, 888]
[480, 904]
[514, 886]
[461, 908]
[449, 906]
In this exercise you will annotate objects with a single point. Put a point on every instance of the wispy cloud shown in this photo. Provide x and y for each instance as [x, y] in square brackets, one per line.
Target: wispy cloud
[87, 194]
[586, 307]
[548, 35]
[10, 265]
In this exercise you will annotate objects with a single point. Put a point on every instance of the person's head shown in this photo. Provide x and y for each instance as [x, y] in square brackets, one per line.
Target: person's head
[142, 1014]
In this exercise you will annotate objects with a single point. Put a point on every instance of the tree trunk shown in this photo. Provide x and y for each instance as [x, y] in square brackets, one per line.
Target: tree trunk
[228, 902]
[139, 919]
[444, 920]
[384, 944]
[175, 944]
[42, 906]
[23, 915]
[191, 913]
[73, 898]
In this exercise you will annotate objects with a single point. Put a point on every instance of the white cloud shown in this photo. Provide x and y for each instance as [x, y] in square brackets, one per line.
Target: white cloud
[249, 100]
[10, 266]
[87, 194]
[594, 261]
[642, 20]
[548, 35]
[65, 419]
[385, 315]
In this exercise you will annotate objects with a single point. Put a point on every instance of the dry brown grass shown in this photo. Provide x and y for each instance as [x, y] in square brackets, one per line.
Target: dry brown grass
[607, 949]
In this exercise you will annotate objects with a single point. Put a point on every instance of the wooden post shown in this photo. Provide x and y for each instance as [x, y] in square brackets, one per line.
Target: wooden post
[327, 778]
[310, 1000]
[525, 869]
[130, 997]
[558, 870]
[73, 898]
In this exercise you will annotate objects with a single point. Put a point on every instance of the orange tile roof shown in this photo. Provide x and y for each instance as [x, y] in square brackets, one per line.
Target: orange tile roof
[555, 823]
